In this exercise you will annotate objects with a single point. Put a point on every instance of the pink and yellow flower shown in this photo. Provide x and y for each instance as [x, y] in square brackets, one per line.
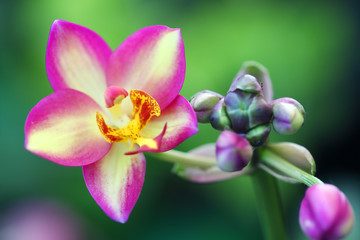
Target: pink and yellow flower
[110, 106]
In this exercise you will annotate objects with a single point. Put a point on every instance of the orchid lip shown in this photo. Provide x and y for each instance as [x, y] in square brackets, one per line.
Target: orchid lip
[144, 108]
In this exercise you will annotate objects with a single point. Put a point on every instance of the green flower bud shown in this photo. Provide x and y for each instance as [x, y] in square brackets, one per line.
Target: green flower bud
[260, 73]
[258, 135]
[247, 83]
[292, 154]
[259, 112]
[246, 110]
[237, 103]
[219, 118]
[288, 114]
[203, 103]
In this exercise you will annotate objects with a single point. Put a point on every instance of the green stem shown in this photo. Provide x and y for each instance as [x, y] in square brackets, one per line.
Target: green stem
[186, 159]
[269, 205]
[274, 161]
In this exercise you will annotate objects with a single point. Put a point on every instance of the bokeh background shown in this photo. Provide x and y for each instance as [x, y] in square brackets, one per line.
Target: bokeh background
[311, 49]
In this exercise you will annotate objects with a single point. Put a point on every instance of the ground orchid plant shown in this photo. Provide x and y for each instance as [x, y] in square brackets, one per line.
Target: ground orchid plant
[111, 106]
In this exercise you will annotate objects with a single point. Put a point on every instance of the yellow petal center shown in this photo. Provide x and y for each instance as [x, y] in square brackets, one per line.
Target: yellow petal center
[144, 108]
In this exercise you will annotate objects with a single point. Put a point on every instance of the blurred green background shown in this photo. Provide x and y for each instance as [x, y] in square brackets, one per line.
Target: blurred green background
[311, 50]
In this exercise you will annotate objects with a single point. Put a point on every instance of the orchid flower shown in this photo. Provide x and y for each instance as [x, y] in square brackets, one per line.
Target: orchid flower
[111, 106]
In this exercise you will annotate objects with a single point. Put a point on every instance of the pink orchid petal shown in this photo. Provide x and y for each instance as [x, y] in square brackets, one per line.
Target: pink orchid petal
[62, 128]
[152, 60]
[76, 58]
[115, 182]
[181, 124]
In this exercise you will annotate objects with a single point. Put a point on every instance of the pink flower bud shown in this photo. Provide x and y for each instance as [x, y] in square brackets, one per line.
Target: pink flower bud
[203, 103]
[233, 152]
[289, 115]
[325, 213]
[114, 95]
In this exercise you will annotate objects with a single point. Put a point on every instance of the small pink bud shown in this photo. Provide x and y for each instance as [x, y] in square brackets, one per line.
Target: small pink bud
[203, 103]
[325, 213]
[233, 152]
[114, 95]
[289, 115]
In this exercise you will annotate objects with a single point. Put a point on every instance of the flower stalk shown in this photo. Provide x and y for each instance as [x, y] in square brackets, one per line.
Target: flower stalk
[269, 205]
[188, 159]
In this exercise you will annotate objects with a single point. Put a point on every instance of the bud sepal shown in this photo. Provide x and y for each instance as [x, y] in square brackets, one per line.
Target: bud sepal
[288, 162]
[207, 173]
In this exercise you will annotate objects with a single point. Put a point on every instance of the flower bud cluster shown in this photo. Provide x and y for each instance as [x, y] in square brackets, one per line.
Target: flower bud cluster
[245, 111]
[242, 110]
[246, 114]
